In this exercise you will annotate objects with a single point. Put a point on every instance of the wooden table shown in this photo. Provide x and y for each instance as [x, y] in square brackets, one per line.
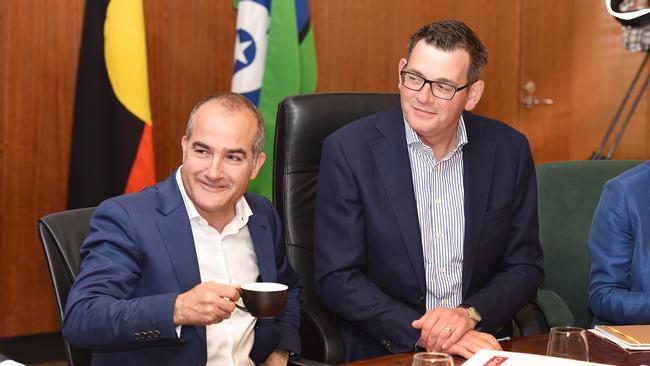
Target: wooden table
[600, 351]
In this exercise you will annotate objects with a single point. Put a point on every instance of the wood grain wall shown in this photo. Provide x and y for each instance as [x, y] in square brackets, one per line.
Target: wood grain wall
[39, 43]
[190, 50]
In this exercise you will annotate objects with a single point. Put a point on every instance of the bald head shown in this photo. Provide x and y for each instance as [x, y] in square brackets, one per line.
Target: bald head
[231, 103]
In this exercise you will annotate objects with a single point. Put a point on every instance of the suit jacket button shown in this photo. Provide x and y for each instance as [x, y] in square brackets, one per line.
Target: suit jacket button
[156, 333]
[386, 343]
[422, 299]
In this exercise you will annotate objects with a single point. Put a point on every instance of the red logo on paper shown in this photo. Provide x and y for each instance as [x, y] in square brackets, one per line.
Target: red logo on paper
[496, 361]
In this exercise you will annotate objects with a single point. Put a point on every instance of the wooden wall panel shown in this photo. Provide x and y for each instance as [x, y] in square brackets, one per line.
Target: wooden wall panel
[546, 29]
[360, 43]
[572, 51]
[38, 60]
[602, 70]
[190, 50]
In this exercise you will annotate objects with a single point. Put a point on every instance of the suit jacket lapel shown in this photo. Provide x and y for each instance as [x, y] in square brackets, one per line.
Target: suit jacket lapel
[478, 161]
[258, 227]
[392, 161]
[176, 233]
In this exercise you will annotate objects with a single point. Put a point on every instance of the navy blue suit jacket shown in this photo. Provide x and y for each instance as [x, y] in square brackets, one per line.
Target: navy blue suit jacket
[369, 266]
[138, 257]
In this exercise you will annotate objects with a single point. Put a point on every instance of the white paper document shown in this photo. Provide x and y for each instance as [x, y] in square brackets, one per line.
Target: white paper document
[503, 358]
[628, 337]
[10, 363]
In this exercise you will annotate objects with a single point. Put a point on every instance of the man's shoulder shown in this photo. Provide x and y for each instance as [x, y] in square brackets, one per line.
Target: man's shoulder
[148, 199]
[366, 127]
[490, 128]
[127, 205]
[637, 177]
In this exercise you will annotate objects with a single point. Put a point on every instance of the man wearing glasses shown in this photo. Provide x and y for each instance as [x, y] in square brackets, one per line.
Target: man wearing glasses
[426, 228]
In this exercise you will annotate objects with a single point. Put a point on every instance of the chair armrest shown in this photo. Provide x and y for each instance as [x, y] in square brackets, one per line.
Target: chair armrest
[546, 311]
[555, 310]
[529, 321]
[320, 338]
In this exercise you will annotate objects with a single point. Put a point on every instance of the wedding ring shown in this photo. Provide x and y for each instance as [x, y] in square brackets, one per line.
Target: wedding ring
[449, 330]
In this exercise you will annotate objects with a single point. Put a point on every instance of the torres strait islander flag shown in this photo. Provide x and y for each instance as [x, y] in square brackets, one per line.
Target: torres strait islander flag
[274, 58]
[112, 145]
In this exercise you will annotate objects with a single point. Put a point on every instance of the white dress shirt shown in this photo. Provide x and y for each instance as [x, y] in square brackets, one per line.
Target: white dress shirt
[440, 198]
[226, 257]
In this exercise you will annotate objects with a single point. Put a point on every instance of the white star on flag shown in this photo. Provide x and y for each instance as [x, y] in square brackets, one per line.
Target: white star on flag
[240, 49]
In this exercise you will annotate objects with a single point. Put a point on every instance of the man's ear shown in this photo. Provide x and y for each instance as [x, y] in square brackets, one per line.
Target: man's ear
[475, 92]
[400, 66]
[184, 143]
[257, 164]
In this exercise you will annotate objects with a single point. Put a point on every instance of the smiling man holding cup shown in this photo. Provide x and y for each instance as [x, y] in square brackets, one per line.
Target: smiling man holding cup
[161, 269]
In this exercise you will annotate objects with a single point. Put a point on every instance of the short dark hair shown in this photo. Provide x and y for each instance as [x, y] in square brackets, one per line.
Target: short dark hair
[450, 35]
[231, 102]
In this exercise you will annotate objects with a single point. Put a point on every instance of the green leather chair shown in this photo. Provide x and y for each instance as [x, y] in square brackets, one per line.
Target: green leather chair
[568, 195]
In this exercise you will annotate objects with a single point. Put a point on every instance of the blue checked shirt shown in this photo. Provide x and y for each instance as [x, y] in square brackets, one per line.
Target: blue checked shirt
[439, 194]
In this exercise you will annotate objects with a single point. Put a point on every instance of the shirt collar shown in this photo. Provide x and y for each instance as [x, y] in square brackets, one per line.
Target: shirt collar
[242, 209]
[413, 140]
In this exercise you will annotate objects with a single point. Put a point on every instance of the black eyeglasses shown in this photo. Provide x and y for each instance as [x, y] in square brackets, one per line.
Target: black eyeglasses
[438, 89]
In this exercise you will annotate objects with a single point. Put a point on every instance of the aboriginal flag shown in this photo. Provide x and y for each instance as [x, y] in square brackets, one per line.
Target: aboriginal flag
[112, 143]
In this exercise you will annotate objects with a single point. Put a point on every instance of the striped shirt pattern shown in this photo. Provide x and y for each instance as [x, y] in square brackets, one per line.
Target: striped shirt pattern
[439, 194]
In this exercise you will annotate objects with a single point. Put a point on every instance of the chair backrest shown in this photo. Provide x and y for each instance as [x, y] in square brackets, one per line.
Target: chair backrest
[61, 235]
[568, 195]
[303, 122]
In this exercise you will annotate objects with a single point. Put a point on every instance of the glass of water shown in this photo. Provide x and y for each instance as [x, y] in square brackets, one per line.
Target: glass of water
[431, 359]
[568, 342]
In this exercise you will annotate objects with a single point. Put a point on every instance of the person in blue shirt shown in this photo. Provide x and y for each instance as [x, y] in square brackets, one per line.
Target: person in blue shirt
[619, 249]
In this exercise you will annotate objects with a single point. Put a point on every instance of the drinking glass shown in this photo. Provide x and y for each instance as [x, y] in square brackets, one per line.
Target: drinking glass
[568, 342]
[432, 358]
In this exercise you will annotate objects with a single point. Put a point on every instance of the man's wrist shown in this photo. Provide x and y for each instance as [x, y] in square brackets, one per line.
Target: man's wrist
[283, 354]
[472, 313]
[177, 317]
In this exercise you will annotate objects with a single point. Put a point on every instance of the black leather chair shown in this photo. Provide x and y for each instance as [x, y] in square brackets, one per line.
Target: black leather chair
[61, 235]
[303, 122]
